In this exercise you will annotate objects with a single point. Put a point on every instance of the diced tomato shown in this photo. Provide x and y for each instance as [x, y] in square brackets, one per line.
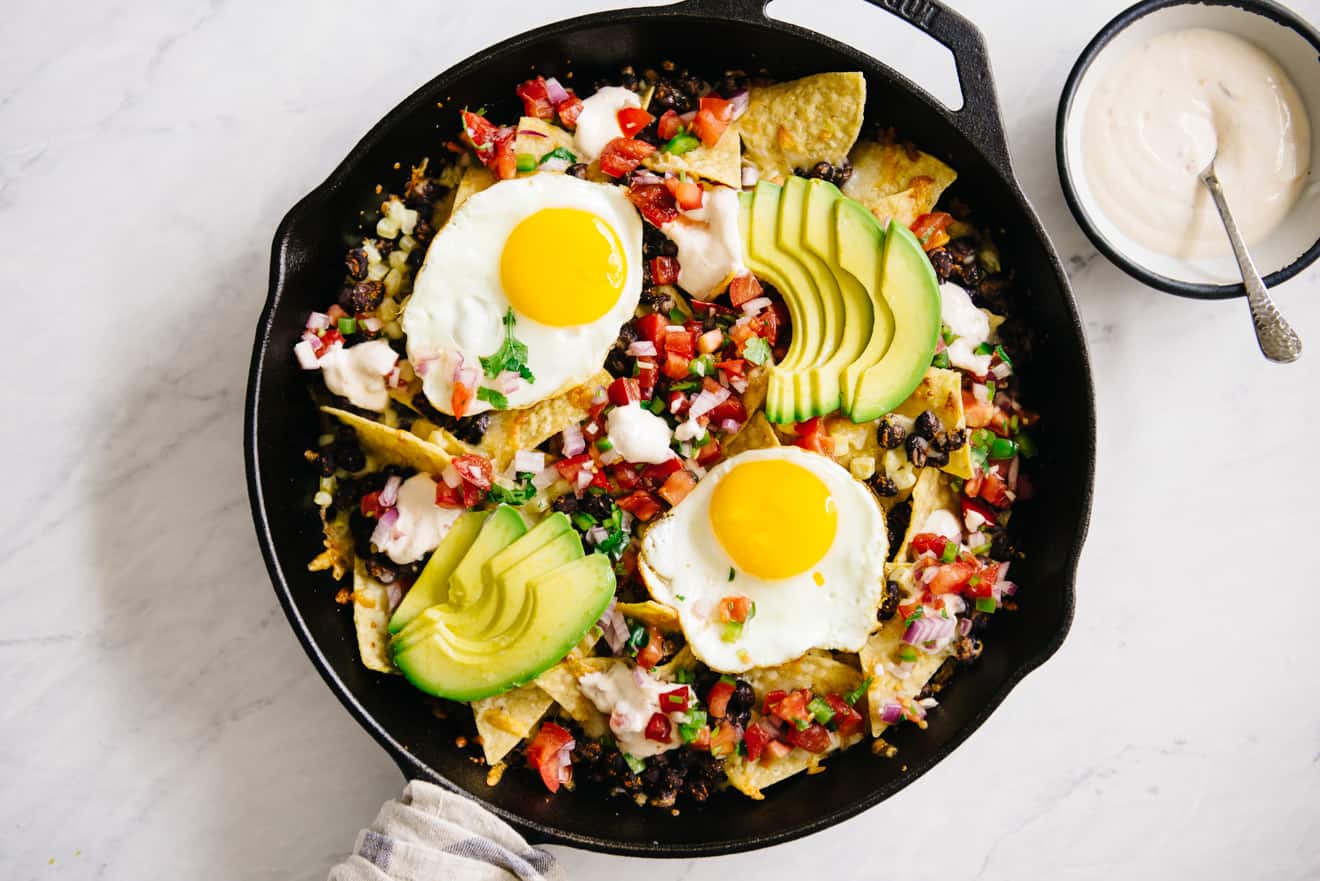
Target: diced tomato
[641, 504]
[713, 117]
[930, 229]
[811, 435]
[669, 125]
[653, 651]
[678, 403]
[569, 467]
[686, 192]
[676, 488]
[447, 496]
[625, 476]
[476, 470]
[652, 328]
[600, 479]
[978, 414]
[459, 399]
[681, 343]
[569, 110]
[815, 738]
[792, 708]
[335, 312]
[330, 337]
[676, 365]
[723, 740]
[543, 753]
[730, 408]
[717, 700]
[647, 371]
[622, 155]
[536, 99]
[632, 120]
[994, 490]
[982, 584]
[772, 699]
[928, 541]
[701, 741]
[773, 321]
[847, 721]
[951, 577]
[472, 495]
[775, 750]
[480, 132]
[655, 202]
[675, 701]
[624, 391]
[658, 728]
[755, 738]
[734, 609]
[733, 367]
[973, 486]
[664, 270]
[744, 288]
[708, 453]
[658, 473]
[711, 306]
[371, 506]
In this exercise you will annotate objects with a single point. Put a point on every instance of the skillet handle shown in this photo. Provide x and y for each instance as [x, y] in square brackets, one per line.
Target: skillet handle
[979, 116]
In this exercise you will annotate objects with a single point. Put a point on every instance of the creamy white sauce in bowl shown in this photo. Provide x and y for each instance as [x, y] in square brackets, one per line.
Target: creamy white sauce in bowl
[1160, 89]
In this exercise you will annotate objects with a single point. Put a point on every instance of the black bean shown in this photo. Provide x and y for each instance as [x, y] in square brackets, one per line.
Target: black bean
[949, 441]
[967, 648]
[963, 250]
[364, 296]
[347, 450]
[927, 424]
[896, 524]
[918, 448]
[742, 700]
[942, 262]
[889, 606]
[356, 262]
[598, 504]
[578, 170]
[890, 434]
[567, 504]
[884, 486]
[657, 300]
[936, 458]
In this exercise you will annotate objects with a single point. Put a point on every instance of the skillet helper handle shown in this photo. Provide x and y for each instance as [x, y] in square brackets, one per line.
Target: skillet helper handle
[979, 116]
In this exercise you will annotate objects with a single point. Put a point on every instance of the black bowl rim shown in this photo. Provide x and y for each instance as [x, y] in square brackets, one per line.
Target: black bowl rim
[409, 764]
[1196, 290]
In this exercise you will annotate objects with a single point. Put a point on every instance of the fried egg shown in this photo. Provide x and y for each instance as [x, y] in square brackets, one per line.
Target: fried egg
[565, 255]
[791, 531]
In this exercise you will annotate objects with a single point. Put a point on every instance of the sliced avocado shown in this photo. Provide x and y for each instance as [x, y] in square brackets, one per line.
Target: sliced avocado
[432, 586]
[511, 583]
[790, 278]
[500, 530]
[553, 535]
[909, 286]
[823, 375]
[859, 245]
[560, 607]
[855, 312]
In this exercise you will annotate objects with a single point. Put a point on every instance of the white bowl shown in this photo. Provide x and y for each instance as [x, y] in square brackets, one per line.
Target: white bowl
[1294, 44]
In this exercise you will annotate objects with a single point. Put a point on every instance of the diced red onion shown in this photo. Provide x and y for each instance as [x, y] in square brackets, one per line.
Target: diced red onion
[740, 100]
[750, 176]
[686, 118]
[389, 494]
[891, 713]
[610, 456]
[954, 604]
[545, 478]
[730, 426]
[394, 595]
[597, 534]
[613, 627]
[600, 396]
[1001, 371]
[940, 345]
[642, 176]
[451, 477]
[1007, 588]
[372, 324]
[422, 365]
[676, 404]
[697, 470]
[528, 460]
[964, 626]
[739, 384]
[710, 341]
[930, 628]
[626, 522]
[554, 163]
[927, 703]
[584, 478]
[467, 377]
[1002, 575]
[508, 382]
[702, 607]
[1013, 469]
[706, 401]
[384, 530]
[642, 349]
[981, 393]
[555, 92]
[755, 305]
[564, 758]
[675, 328]
[306, 355]
[318, 321]
[574, 442]
[903, 670]
[724, 378]
[531, 133]
[392, 378]
[639, 677]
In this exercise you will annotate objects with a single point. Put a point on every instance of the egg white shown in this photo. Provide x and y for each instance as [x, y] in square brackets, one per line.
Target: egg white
[685, 566]
[458, 302]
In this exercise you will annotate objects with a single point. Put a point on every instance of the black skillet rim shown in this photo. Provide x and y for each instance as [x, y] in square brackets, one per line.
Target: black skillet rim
[1195, 290]
[980, 132]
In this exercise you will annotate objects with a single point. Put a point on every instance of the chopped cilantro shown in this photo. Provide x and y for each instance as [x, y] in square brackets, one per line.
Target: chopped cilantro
[984, 349]
[757, 350]
[731, 573]
[820, 710]
[521, 494]
[511, 355]
[558, 153]
[916, 613]
[637, 638]
[1003, 356]
[855, 695]
[492, 397]
[941, 360]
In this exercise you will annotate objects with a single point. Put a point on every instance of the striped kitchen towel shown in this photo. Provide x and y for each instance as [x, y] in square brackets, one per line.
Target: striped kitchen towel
[431, 834]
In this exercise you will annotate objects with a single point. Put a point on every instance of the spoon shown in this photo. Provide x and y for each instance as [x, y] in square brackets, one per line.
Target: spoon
[1277, 340]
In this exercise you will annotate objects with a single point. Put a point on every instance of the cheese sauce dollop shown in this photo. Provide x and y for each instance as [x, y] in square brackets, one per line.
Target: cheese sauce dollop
[1155, 121]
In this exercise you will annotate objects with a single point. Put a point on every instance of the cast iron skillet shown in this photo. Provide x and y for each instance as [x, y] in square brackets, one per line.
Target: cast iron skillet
[707, 36]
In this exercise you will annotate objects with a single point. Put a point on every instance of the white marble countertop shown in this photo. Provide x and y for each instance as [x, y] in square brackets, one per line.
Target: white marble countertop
[159, 719]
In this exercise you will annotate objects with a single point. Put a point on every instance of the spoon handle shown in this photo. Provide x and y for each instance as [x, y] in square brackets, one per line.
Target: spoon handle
[1278, 341]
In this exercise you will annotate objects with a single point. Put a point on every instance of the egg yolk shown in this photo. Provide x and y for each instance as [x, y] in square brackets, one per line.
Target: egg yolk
[774, 518]
[563, 266]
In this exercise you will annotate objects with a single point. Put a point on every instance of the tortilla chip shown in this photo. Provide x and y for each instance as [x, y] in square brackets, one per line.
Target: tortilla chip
[338, 553]
[475, 179]
[880, 654]
[932, 493]
[799, 123]
[894, 464]
[683, 659]
[561, 683]
[721, 164]
[513, 430]
[750, 778]
[503, 721]
[538, 137]
[371, 620]
[393, 445]
[941, 391]
[758, 382]
[756, 434]
[892, 184]
[657, 615]
[815, 670]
